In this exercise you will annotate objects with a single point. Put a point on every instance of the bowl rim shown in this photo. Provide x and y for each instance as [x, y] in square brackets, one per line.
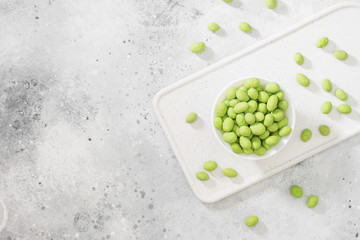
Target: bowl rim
[252, 156]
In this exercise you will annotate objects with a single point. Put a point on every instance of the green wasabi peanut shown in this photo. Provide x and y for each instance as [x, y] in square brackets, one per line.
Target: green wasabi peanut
[341, 94]
[253, 93]
[191, 117]
[262, 108]
[236, 148]
[268, 120]
[326, 107]
[218, 122]
[227, 102]
[248, 151]
[252, 83]
[272, 103]
[312, 201]
[265, 145]
[221, 109]
[227, 1]
[251, 221]
[231, 113]
[245, 27]
[245, 143]
[259, 116]
[231, 93]
[230, 137]
[299, 59]
[273, 127]
[198, 47]
[283, 122]
[303, 80]
[241, 107]
[322, 42]
[263, 97]
[271, 4]
[296, 191]
[341, 55]
[344, 108]
[259, 88]
[285, 131]
[324, 130]
[260, 151]
[306, 135]
[283, 105]
[202, 176]
[242, 95]
[213, 27]
[278, 114]
[258, 129]
[252, 106]
[280, 94]
[250, 118]
[228, 124]
[230, 172]
[326, 85]
[233, 102]
[272, 140]
[264, 135]
[243, 88]
[236, 130]
[245, 131]
[255, 143]
[210, 166]
[240, 120]
[272, 87]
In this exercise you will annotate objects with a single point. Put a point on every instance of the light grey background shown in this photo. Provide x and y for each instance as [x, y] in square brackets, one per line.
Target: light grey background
[82, 154]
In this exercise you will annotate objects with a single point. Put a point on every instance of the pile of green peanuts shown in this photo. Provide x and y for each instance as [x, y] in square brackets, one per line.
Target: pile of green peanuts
[211, 166]
[252, 118]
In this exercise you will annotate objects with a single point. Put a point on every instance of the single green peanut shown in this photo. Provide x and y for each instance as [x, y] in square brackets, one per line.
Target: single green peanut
[236, 148]
[248, 151]
[312, 201]
[326, 107]
[299, 59]
[278, 114]
[245, 143]
[259, 88]
[242, 95]
[227, 102]
[322, 42]
[341, 55]
[260, 151]
[258, 129]
[252, 106]
[272, 140]
[221, 109]
[303, 80]
[202, 176]
[231, 113]
[250, 118]
[272, 103]
[306, 135]
[273, 127]
[268, 120]
[259, 116]
[231, 93]
[283, 105]
[265, 145]
[251, 221]
[236, 130]
[244, 88]
[285, 131]
[197, 47]
[230, 137]
[344, 108]
[255, 143]
[280, 94]
[271, 4]
[263, 97]
[324, 130]
[245, 131]
[264, 135]
[283, 122]
[272, 87]
[210, 166]
[253, 93]
[228, 124]
[262, 108]
[227, 1]
[341, 94]
[240, 120]
[230, 172]
[296, 191]
[241, 107]
[233, 102]
[218, 122]
[326, 85]
[252, 83]
[213, 27]
[191, 117]
[245, 27]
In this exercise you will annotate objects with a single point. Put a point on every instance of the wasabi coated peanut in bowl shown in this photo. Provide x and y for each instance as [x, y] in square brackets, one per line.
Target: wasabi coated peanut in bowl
[253, 118]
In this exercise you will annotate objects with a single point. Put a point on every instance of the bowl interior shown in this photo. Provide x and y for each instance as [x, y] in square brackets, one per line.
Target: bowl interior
[289, 113]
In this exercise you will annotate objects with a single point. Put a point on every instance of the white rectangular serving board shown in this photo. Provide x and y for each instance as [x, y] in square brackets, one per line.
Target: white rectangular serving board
[271, 59]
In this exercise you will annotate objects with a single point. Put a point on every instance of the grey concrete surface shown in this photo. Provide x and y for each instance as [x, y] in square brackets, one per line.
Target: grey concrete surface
[82, 154]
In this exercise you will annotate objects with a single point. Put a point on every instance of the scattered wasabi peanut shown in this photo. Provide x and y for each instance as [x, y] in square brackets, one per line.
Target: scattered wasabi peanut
[230, 172]
[303, 80]
[198, 47]
[312, 201]
[210, 166]
[213, 27]
[245, 27]
[322, 42]
[341, 94]
[299, 59]
[326, 85]
[271, 4]
[251, 221]
[341, 55]
[306, 135]
[202, 176]
[344, 108]
[324, 130]
[296, 191]
[326, 107]
[191, 117]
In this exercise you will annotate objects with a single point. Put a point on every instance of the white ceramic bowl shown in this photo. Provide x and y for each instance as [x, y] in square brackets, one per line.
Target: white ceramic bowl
[289, 113]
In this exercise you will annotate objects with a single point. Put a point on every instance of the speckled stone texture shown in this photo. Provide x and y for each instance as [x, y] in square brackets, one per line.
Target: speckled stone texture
[82, 154]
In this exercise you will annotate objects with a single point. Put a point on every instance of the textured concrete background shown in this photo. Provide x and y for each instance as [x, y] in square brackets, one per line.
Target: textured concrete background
[82, 154]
